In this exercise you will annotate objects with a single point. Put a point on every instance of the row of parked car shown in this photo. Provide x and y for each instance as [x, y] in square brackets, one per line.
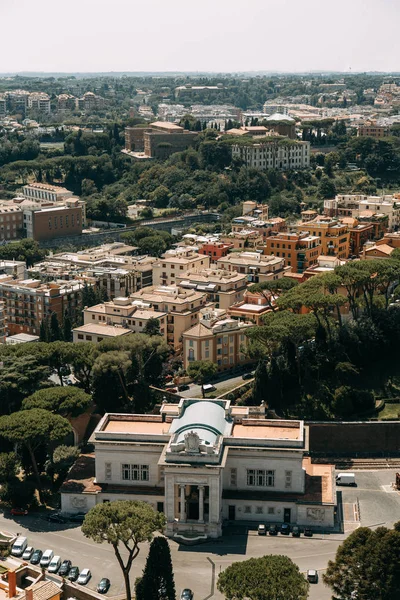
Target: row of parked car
[53, 563]
[284, 529]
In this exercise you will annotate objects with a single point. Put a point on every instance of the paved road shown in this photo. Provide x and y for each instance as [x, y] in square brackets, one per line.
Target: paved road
[195, 390]
[197, 567]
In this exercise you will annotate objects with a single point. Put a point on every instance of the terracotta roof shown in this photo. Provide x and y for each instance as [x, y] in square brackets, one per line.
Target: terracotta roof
[44, 590]
[199, 330]
[81, 477]
[384, 248]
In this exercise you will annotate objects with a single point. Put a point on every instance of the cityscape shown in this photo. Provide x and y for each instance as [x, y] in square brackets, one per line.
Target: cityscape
[200, 302]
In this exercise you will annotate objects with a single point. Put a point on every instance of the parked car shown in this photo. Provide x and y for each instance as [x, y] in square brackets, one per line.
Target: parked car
[29, 550]
[103, 586]
[186, 594]
[296, 531]
[183, 387]
[36, 556]
[65, 568]
[84, 577]
[78, 518]
[19, 546]
[307, 532]
[73, 574]
[273, 530]
[285, 529]
[312, 576]
[262, 530]
[46, 558]
[56, 518]
[55, 564]
[20, 512]
[247, 376]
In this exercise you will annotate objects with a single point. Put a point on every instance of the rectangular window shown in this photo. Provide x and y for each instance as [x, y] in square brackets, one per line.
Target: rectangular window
[259, 510]
[251, 477]
[135, 472]
[247, 510]
[107, 471]
[270, 478]
[260, 477]
[233, 476]
[271, 510]
[126, 472]
[288, 479]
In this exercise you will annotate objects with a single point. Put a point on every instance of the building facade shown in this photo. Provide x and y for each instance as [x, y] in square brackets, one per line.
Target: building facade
[334, 235]
[174, 262]
[256, 266]
[203, 463]
[223, 288]
[300, 251]
[282, 155]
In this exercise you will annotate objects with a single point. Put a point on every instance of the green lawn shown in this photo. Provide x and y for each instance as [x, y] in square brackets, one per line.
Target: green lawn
[390, 411]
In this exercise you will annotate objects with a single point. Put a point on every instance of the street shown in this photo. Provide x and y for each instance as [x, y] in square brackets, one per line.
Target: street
[221, 384]
[371, 503]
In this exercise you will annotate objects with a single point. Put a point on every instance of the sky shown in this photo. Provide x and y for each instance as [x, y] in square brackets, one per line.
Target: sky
[199, 35]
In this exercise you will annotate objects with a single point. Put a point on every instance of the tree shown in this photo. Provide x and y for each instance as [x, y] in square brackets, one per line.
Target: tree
[55, 329]
[202, 371]
[152, 327]
[32, 428]
[158, 577]
[64, 457]
[67, 401]
[124, 524]
[20, 376]
[267, 578]
[326, 188]
[8, 466]
[368, 564]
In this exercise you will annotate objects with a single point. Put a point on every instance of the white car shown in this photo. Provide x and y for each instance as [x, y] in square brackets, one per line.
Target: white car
[29, 550]
[46, 558]
[55, 564]
[84, 577]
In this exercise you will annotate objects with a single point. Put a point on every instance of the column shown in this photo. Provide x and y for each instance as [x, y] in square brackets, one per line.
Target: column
[201, 503]
[182, 517]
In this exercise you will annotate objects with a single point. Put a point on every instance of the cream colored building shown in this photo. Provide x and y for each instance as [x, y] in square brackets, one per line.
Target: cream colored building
[270, 154]
[218, 338]
[182, 308]
[203, 462]
[169, 266]
[222, 287]
[257, 267]
[110, 318]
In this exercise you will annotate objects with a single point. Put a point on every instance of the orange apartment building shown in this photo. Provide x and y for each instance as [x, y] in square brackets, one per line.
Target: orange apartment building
[253, 307]
[28, 302]
[218, 338]
[299, 250]
[223, 288]
[216, 250]
[334, 235]
[11, 221]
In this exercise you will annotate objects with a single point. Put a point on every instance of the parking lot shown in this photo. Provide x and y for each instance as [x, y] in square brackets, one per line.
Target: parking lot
[198, 567]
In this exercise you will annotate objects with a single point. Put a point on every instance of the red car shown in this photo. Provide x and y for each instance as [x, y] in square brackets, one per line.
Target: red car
[19, 511]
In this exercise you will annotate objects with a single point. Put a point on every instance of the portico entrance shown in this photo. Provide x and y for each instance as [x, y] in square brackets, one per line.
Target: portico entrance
[193, 503]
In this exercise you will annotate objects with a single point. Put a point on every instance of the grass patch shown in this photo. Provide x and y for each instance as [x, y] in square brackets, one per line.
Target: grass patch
[390, 411]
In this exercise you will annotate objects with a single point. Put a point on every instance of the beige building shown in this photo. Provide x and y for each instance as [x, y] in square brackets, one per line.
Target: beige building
[223, 288]
[218, 338]
[182, 308]
[174, 262]
[270, 154]
[118, 317]
[257, 267]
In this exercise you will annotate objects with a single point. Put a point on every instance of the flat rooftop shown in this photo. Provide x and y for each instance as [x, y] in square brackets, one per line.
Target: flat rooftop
[266, 432]
[155, 427]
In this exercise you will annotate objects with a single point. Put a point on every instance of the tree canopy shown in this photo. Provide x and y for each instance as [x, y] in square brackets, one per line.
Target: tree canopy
[64, 401]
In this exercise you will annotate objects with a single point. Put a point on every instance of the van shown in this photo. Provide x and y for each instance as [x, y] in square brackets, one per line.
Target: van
[346, 479]
[46, 558]
[19, 546]
[208, 387]
[55, 564]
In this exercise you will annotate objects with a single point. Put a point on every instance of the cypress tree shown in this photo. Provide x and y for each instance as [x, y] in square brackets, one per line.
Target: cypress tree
[158, 577]
[55, 329]
[67, 327]
[44, 330]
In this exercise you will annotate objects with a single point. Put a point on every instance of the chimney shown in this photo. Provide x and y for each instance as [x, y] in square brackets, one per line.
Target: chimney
[29, 593]
[12, 584]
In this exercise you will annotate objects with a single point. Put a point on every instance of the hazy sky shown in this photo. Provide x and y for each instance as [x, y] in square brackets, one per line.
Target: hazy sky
[195, 35]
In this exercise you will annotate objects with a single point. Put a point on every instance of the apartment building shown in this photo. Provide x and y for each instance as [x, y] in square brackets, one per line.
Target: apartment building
[118, 317]
[253, 209]
[29, 301]
[90, 101]
[159, 140]
[48, 222]
[44, 192]
[252, 308]
[371, 129]
[2, 323]
[3, 106]
[170, 265]
[181, 305]
[216, 249]
[263, 228]
[223, 288]
[110, 268]
[299, 250]
[334, 235]
[257, 267]
[273, 154]
[11, 221]
[15, 268]
[66, 102]
[249, 239]
[218, 338]
[39, 102]
[355, 205]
